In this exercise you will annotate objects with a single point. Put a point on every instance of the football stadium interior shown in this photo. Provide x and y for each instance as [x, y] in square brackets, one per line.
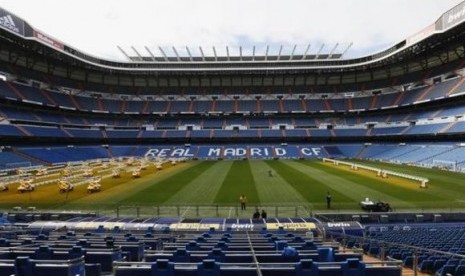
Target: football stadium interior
[156, 165]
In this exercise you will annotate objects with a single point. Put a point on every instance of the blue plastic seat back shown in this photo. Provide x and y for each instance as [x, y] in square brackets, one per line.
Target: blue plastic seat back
[306, 267]
[23, 266]
[325, 254]
[43, 253]
[208, 268]
[163, 267]
[353, 267]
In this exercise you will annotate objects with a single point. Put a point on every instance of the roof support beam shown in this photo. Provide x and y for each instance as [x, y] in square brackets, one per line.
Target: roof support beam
[306, 51]
[137, 53]
[319, 51]
[201, 52]
[150, 53]
[163, 53]
[214, 52]
[293, 51]
[347, 49]
[189, 53]
[266, 53]
[123, 52]
[280, 51]
[176, 53]
[227, 53]
[333, 50]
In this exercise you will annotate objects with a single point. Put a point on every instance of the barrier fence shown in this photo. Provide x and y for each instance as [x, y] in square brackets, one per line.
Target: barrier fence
[211, 211]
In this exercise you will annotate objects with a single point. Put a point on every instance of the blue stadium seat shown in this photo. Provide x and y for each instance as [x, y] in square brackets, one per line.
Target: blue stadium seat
[446, 270]
[162, 267]
[325, 254]
[306, 267]
[23, 266]
[43, 253]
[217, 254]
[181, 255]
[353, 267]
[460, 270]
[208, 268]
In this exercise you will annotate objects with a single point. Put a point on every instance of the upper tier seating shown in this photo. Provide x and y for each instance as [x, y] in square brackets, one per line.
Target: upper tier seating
[18, 91]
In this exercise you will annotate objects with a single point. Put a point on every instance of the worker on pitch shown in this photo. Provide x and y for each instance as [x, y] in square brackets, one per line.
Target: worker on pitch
[328, 200]
[243, 201]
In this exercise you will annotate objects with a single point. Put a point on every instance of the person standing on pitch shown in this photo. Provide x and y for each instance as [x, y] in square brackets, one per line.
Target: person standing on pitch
[328, 200]
[243, 201]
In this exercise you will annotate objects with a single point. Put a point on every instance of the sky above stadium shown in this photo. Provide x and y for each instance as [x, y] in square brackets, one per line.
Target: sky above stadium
[98, 26]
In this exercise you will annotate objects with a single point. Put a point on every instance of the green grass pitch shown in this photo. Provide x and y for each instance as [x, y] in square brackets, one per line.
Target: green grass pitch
[294, 184]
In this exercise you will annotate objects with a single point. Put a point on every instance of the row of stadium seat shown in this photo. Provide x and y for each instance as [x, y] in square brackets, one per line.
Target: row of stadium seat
[8, 130]
[420, 154]
[80, 119]
[13, 90]
[440, 248]
[145, 253]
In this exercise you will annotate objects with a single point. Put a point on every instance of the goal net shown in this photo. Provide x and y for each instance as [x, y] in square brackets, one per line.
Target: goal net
[445, 165]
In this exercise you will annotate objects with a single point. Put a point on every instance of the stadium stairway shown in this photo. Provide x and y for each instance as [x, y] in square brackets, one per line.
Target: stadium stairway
[48, 97]
[104, 134]
[399, 98]
[374, 101]
[23, 130]
[425, 93]
[447, 127]
[436, 114]
[457, 85]
[67, 132]
[110, 153]
[74, 102]
[15, 90]
[360, 153]
[406, 129]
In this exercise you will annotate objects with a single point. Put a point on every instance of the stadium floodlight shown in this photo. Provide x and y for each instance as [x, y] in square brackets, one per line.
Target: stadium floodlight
[123, 52]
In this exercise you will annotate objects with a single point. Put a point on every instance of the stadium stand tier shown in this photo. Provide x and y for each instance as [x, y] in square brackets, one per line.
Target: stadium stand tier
[63, 110]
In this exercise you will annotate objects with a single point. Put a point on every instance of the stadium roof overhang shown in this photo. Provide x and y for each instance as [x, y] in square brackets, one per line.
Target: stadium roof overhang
[438, 44]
